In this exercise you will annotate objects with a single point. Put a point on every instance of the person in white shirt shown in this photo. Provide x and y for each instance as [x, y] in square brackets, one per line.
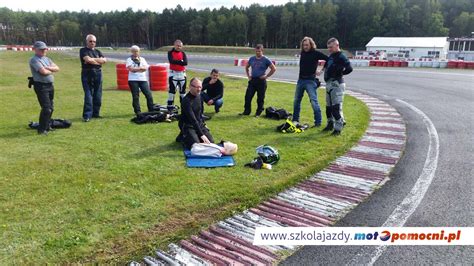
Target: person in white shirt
[137, 79]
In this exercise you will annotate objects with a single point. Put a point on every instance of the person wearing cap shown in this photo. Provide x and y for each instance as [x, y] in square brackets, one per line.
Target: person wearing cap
[42, 69]
[91, 77]
[137, 79]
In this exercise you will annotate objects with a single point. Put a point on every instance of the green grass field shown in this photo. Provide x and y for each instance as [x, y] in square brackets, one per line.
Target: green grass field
[110, 190]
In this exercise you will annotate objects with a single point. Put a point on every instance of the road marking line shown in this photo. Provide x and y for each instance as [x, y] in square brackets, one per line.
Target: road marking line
[411, 202]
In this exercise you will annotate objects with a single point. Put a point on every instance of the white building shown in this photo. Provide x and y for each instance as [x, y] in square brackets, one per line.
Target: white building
[461, 48]
[409, 47]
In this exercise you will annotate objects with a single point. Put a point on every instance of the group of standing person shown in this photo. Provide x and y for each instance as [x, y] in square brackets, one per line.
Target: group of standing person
[42, 70]
[335, 67]
[209, 91]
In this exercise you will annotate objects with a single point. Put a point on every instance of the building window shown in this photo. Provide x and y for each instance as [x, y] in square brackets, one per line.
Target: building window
[456, 46]
[433, 54]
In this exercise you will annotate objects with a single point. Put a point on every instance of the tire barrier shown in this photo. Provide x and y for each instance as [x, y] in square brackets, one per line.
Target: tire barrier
[425, 63]
[361, 63]
[240, 62]
[460, 64]
[287, 63]
[158, 77]
[455, 64]
[22, 48]
[452, 64]
[19, 48]
[122, 77]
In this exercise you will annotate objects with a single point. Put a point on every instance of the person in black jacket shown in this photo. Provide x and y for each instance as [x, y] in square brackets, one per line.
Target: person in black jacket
[177, 79]
[336, 67]
[307, 80]
[91, 77]
[213, 90]
[192, 126]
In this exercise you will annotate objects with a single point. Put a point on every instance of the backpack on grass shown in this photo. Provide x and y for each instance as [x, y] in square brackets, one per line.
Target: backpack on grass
[274, 113]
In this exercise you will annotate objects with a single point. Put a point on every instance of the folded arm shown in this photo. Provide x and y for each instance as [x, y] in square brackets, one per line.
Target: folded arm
[94, 61]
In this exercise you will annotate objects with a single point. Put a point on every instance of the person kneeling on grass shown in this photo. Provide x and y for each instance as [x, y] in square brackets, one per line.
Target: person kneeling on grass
[194, 134]
[137, 79]
[191, 123]
[213, 90]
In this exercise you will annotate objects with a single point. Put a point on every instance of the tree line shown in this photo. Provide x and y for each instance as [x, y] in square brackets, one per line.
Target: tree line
[353, 22]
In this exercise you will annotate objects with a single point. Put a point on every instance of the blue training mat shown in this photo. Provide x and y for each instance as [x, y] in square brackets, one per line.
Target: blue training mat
[208, 162]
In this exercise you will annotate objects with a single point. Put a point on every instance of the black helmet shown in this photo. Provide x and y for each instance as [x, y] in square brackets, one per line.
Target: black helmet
[268, 154]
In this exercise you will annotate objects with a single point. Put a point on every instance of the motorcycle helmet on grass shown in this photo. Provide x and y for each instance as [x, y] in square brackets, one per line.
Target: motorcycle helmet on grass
[268, 154]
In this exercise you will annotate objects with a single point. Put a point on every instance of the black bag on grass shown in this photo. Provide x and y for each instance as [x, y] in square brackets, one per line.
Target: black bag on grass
[153, 117]
[53, 123]
[274, 113]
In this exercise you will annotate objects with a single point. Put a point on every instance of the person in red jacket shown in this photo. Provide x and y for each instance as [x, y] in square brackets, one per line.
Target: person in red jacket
[177, 80]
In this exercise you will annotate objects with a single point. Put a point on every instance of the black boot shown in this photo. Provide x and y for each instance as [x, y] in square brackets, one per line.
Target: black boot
[179, 138]
[330, 126]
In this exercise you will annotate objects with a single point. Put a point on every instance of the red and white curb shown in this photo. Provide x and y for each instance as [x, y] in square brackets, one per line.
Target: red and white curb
[320, 200]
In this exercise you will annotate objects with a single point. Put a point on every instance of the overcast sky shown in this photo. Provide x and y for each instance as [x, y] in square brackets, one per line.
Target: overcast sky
[108, 5]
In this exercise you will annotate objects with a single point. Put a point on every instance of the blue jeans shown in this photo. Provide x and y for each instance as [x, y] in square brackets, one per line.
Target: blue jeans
[310, 86]
[92, 85]
[217, 103]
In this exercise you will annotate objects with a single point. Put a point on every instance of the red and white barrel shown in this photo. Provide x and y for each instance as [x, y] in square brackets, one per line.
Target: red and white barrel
[158, 77]
[122, 77]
